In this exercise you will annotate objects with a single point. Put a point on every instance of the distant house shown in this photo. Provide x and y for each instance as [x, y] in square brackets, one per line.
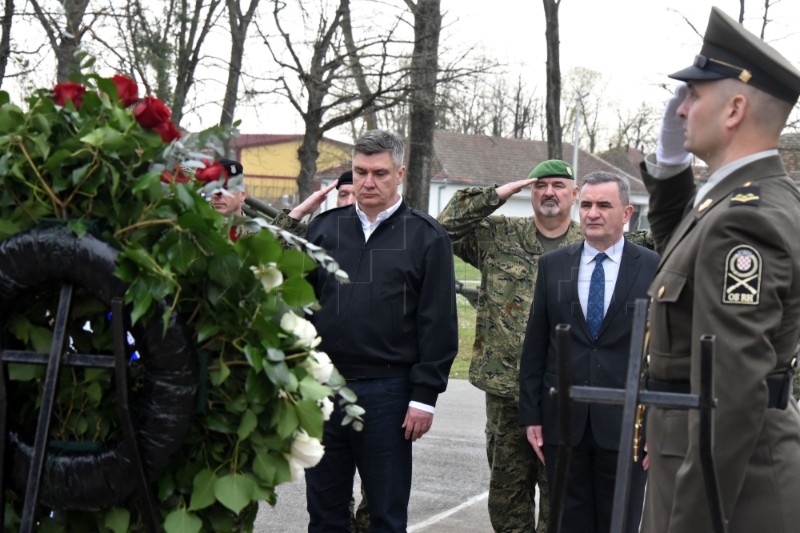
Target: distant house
[271, 165]
[271, 168]
[477, 160]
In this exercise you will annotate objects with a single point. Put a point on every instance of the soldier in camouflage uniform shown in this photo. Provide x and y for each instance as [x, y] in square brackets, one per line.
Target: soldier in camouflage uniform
[506, 250]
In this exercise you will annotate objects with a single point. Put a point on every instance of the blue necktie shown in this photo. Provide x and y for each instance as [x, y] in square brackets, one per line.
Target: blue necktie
[596, 303]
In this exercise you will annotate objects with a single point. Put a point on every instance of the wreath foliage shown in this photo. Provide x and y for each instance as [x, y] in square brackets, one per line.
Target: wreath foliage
[94, 158]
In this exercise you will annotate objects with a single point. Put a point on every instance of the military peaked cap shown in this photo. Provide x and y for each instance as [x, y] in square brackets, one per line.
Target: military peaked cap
[730, 51]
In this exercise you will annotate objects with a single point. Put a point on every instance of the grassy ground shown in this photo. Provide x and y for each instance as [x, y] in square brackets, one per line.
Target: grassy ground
[466, 320]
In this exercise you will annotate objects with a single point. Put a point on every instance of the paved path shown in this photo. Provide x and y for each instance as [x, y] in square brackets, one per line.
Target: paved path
[451, 477]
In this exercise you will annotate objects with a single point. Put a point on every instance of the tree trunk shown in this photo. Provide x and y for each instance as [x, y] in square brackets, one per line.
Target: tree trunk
[5, 38]
[355, 65]
[239, 23]
[64, 42]
[307, 155]
[422, 120]
[554, 147]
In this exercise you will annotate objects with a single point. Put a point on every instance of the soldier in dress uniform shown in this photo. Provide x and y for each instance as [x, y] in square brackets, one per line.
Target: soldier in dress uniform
[730, 267]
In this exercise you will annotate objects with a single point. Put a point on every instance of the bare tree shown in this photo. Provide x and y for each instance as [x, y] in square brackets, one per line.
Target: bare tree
[64, 34]
[239, 22]
[316, 80]
[163, 48]
[554, 145]
[5, 38]
[637, 128]
[422, 119]
[584, 88]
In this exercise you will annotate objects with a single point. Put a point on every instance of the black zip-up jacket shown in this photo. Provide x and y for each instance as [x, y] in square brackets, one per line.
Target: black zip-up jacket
[397, 315]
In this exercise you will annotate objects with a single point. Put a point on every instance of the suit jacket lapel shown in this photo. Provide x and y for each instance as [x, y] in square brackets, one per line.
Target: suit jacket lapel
[574, 301]
[628, 271]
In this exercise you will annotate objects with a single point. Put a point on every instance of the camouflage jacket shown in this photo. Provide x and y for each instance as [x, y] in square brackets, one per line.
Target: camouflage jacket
[506, 250]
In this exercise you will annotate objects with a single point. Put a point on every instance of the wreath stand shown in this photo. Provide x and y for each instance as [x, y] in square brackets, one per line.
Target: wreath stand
[121, 469]
[53, 361]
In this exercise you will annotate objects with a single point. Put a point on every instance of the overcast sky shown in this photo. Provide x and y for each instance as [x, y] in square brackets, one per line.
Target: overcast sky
[633, 43]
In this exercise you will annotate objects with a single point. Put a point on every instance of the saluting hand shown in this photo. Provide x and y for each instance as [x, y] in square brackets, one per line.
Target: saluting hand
[509, 189]
[312, 203]
[672, 136]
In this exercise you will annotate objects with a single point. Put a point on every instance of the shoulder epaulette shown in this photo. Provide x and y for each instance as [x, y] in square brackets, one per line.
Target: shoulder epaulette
[746, 195]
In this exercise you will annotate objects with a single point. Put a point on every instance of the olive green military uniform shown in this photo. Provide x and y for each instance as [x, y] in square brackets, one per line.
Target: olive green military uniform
[731, 268]
[506, 250]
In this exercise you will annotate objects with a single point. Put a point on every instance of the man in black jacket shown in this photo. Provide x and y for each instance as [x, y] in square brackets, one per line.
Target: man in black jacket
[391, 332]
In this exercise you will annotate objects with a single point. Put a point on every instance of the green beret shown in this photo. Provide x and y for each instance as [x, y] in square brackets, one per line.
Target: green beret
[552, 168]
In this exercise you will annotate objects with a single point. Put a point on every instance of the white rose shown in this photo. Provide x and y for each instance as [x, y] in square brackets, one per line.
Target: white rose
[297, 470]
[301, 328]
[306, 451]
[320, 366]
[327, 408]
[269, 275]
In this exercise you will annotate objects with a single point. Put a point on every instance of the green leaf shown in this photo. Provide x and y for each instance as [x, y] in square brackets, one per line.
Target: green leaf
[311, 389]
[78, 227]
[104, 137]
[208, 330]
[182, 521]
[181, 254]
[234, 491]
[287, 421]
[118, 520]
[218, 377]
[254, 356]
[348, 395]
[310, 415]
[225, 268]
[295, 263]
[203, 490]
[265, 466]
[20, 372]
[94, 392]
[297, 292]
[247, 424]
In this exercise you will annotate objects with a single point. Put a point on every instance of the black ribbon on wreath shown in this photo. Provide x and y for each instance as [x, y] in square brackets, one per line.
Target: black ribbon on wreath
[161, 411]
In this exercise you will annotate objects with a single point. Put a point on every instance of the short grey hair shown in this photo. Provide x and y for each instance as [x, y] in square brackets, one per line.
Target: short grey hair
[601, 176]
[380, 141]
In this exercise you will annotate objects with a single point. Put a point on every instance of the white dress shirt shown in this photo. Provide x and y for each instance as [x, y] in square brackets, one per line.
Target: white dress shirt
[610, 270]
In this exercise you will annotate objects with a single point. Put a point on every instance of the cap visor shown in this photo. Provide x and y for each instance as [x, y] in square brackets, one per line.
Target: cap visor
[695, 73]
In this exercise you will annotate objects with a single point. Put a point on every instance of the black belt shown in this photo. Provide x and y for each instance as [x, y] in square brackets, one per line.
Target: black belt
[779, 385]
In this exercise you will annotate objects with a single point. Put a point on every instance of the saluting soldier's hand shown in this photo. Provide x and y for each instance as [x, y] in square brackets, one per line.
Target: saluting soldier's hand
[312, 203]
[672, 136]
[509, 189]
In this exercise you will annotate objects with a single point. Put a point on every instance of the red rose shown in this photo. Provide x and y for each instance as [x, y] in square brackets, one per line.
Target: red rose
[176, 176]
[150, 112]
[167, 130]
[212, 172]
[69, 91]
[127, 90]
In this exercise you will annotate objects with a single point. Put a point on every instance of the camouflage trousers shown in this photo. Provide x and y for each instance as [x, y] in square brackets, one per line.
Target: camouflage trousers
[515, 471]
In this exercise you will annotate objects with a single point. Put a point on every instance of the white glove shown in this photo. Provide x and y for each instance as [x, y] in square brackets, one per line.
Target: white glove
[670, 150]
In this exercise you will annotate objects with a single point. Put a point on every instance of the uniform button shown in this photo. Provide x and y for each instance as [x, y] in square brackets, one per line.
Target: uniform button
[661, 291]
[594, 348]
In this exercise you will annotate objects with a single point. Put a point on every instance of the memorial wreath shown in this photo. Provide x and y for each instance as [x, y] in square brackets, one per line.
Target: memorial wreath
[229, 394]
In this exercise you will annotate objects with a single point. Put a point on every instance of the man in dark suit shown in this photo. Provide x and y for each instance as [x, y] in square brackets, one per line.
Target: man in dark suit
[591, 286]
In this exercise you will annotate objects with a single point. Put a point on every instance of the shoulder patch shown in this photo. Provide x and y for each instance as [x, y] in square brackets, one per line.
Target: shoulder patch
[746, 195]
[742, 283]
